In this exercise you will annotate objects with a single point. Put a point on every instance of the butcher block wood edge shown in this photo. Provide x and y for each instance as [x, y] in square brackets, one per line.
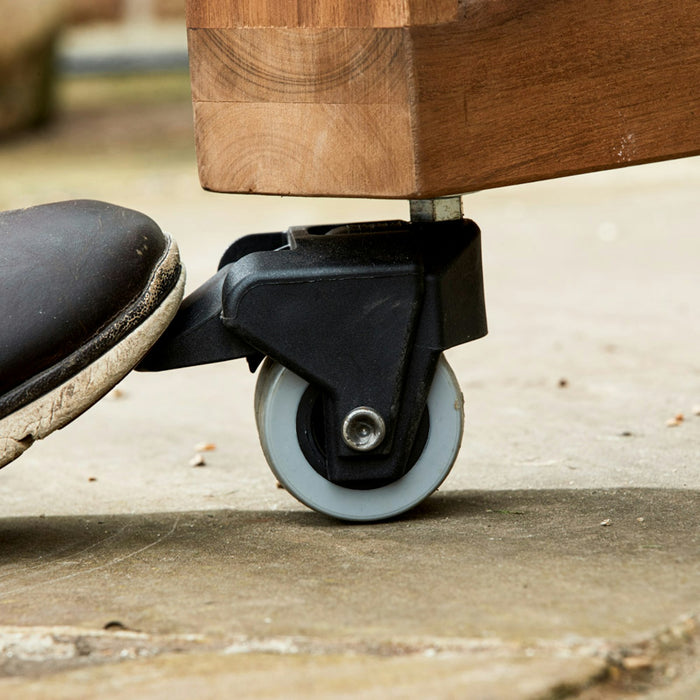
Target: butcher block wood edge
[510, 94]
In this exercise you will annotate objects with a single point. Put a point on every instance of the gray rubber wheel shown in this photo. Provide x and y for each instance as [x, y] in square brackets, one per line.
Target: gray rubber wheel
[277, 396]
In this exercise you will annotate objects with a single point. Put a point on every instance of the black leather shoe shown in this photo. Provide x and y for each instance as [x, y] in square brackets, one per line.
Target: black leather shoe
[85, 289]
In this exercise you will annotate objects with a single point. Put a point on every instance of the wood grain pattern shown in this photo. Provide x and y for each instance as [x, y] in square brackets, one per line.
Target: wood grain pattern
[580, 86]
[454, 96]
[333, 66]
[319, 13]
[296, 13]
[281, 148]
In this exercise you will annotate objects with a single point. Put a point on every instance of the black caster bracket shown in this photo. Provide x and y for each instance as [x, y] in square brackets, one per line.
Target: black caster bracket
[362, 312]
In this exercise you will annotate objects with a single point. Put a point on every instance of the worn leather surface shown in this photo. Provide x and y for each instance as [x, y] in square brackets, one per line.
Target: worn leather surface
[67, 270]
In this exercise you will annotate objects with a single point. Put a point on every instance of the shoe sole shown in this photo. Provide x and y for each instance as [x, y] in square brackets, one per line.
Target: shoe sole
[59, 406]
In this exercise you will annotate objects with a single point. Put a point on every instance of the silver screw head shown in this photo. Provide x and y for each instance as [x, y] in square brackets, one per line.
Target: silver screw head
[363, 429]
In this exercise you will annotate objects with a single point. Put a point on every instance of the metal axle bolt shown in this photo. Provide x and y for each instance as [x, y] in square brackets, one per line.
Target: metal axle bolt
[363, 429]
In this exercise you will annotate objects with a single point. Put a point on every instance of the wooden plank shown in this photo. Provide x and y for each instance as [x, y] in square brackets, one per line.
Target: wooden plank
[332, 66]
[433, 11]
[296, 13]
[541, 90]
[319, 13]
[294, 150]
[451, 97]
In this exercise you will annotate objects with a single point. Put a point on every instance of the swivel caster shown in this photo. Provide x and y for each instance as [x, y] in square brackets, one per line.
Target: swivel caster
[359, 415]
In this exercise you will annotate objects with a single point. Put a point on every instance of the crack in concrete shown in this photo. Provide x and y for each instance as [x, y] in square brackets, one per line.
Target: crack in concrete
[650, 662]
[38, 651]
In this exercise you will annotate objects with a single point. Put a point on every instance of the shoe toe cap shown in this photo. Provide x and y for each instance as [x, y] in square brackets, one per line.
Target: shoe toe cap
[67, 270]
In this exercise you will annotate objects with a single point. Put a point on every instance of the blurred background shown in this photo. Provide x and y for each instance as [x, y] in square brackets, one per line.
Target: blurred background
[89, 85]
[43, 41]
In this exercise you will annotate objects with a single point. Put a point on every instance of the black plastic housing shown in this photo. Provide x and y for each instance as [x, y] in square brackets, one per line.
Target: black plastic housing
[361, 311]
